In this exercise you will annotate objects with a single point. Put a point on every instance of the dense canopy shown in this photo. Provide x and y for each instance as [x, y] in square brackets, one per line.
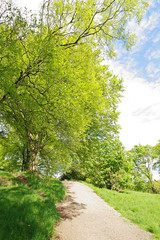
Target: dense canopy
[53, 85]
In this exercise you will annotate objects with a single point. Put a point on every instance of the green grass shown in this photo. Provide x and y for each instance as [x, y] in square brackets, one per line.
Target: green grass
[142, 209]
[24, 213]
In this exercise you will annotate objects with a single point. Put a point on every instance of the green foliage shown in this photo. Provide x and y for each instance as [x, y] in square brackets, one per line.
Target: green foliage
[101, 155]
[93, 21]
[57, 116]
[140, 208]
[156, 150]
[11, 151]
[25, 214]
[73, 174]
[157, 185]
[103, 170]
[52, 84]
[143, 159]
[102, 164]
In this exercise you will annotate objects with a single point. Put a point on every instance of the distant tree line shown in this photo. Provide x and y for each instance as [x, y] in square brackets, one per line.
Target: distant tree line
[118, 169]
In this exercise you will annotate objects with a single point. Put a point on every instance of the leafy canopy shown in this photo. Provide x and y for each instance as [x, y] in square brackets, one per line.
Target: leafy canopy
[52, 83]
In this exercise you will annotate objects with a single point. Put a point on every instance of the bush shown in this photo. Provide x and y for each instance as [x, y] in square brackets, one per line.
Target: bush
[73, 174]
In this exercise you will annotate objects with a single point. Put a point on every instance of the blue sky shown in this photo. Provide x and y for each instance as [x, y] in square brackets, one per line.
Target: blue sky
[145, 55]
[140, 69]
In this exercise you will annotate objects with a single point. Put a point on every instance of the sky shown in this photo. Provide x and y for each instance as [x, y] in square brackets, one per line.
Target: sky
[140, 69]
[33, 5]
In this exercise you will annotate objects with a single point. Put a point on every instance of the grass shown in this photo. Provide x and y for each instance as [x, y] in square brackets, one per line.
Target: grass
[142, 209]
[28, 213]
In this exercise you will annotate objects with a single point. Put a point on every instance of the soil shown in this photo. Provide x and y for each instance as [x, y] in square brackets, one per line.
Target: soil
[85, 216]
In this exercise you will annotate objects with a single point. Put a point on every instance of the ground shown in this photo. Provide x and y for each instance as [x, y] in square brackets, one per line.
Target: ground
[85, 216]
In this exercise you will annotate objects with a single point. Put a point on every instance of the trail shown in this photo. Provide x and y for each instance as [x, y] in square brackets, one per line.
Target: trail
[85, 216]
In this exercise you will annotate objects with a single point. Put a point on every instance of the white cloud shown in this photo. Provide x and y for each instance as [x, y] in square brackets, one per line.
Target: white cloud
[143, 29]
[152, 22]
[140, 109]
[152, 70]
[152, 3]
[157, 38]
[33, 5]
[152, 54]
[140, 114]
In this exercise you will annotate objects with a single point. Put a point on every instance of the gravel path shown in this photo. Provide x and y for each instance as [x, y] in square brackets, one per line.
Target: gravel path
[85, 216]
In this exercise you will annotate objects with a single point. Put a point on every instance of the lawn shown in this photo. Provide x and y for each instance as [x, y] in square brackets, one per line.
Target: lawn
[27, 211]
[142, 209]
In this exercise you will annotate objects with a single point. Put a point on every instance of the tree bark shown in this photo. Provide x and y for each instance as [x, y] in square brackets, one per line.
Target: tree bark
[34, 153]
[33, 167]
[26, 158]
[31, 153]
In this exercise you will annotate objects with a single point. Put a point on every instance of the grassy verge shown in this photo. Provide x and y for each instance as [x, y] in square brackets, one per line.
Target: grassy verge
[27, 210]
[142, 209]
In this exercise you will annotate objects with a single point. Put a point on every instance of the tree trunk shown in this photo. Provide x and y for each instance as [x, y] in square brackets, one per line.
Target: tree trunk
[154, 189]
[26, 158]
[33, 167]
[33, 149]
[30, 160]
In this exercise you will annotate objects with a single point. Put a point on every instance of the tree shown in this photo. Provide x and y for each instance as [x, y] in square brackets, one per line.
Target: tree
[56, 106]
[156, 150]
[52, 83]
[101, 158]
[77, 21]
[62, 23]
[143, 158]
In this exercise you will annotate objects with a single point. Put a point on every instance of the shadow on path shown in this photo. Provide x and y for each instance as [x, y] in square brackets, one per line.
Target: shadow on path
[69, 208]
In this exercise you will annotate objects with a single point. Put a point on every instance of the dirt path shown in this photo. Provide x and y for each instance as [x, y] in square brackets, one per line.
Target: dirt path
[85, 216]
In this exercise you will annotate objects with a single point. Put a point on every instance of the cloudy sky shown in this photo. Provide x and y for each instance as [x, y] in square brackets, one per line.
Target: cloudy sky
[140, 69]
[33, 5]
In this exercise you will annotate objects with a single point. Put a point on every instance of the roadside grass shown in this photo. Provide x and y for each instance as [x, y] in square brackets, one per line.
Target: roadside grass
[27, 211]
[142, 209]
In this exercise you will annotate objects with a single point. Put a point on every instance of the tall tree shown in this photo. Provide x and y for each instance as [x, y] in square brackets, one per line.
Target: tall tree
[58, 104]
[52, 82]
[101, 159]
[143, 158]
[156, 150]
